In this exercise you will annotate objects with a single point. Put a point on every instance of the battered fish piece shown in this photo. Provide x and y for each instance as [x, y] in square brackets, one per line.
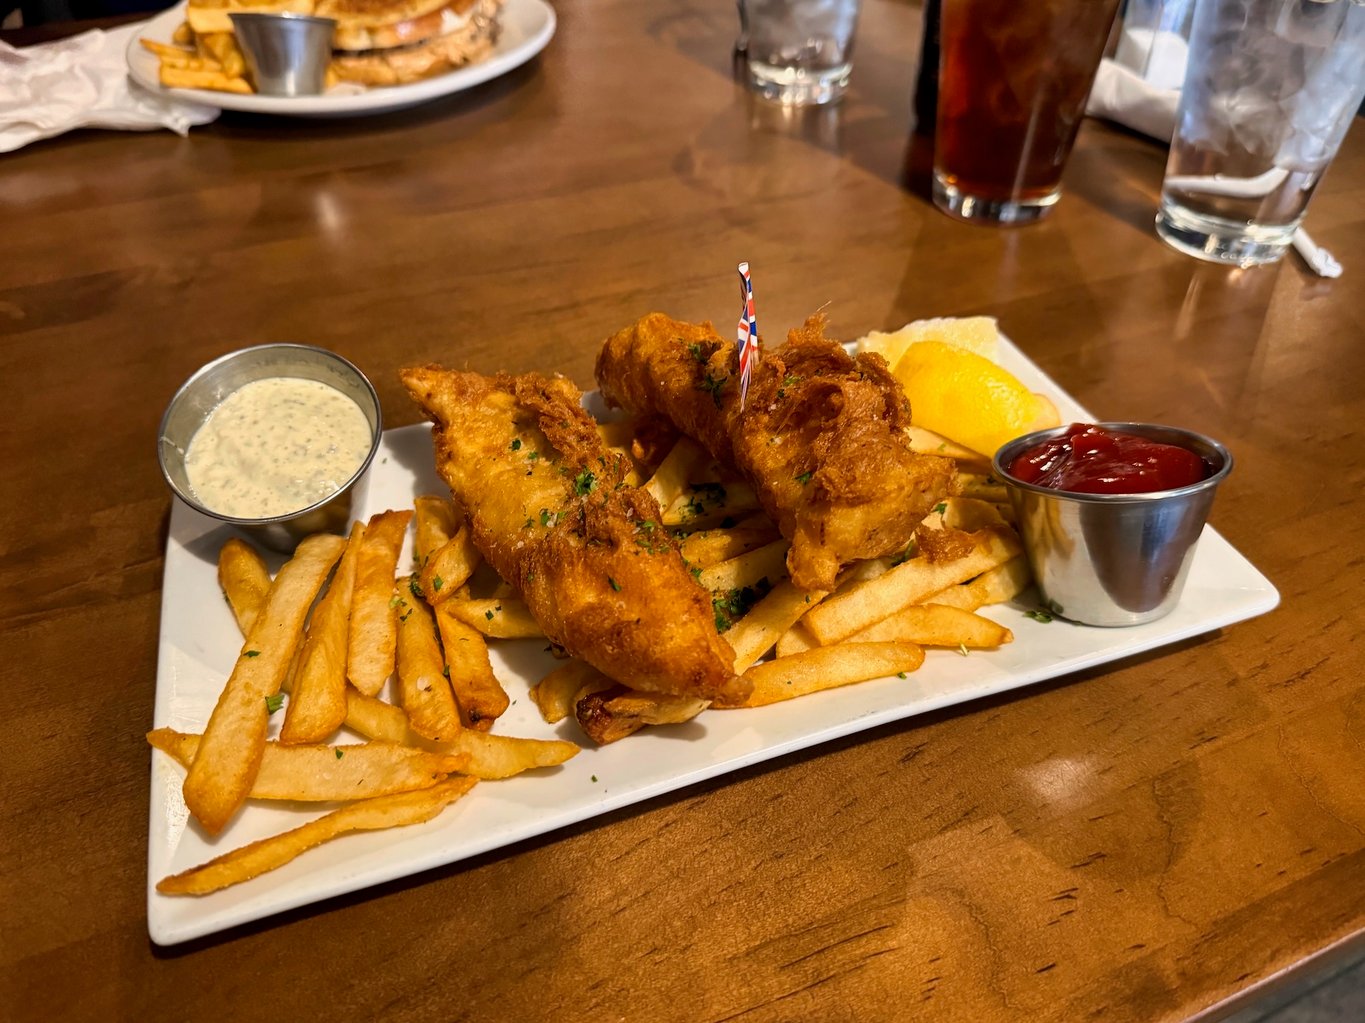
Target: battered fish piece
[549, 510]
[821, 438]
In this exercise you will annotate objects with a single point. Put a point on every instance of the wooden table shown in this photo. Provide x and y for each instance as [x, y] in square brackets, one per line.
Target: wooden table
[1149, 841]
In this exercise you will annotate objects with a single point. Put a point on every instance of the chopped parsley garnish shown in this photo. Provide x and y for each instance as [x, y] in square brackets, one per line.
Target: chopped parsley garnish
[594, 777]
[940, 508]
[532, 455]
[395, 600]
[547, 517]
[900, 674]
[1038, 616]
[274, 702]
[616, 587]
[251, 653]
[488, 615]
[340, 754]
[446, 670]
[903, 556]
[529, 523]
[735, 604]
[697, 352]
[713, 385]
[584, 483]
[791, 380]
[404, 618]
[415, 587]
[803, 478]
[516, 444]
[436, 583]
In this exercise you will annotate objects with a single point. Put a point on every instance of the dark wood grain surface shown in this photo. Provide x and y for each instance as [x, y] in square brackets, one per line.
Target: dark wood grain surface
[1148, 841]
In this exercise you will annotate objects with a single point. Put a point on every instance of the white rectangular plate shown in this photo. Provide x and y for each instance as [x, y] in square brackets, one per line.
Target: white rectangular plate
[200, 641]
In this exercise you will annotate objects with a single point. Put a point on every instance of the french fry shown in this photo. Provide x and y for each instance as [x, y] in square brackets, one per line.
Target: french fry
[375, 719]
[242, 575]
[555, 694]
[321, 773]
[995, 586]
[317, 692]
[847, 611]
[502, 756]
[612, 714]
[183, 34]
[373, 627]
[434, 522]
[708, 547]
[766, 562]
[795, 640]
[450, 566]
[423, 689]
[983, 486]
[164, 50]
[754, 634]
[192, 78]
[497, 617]
[670, 480]
[222, 47]
[936, 625]
[827, 667]
[367, 815]
[926, 442]
[445, 551]
[969, 514]
[705, 505]
[230, 753]
[479, 695]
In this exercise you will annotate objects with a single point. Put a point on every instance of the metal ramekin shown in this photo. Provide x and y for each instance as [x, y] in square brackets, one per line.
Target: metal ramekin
[207, 388]
[1113, 559]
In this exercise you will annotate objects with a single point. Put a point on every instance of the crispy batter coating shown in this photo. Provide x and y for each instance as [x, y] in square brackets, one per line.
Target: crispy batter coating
[549, 510]
[821, 437]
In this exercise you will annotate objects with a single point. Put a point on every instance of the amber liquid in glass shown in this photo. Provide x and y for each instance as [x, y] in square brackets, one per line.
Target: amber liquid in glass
[1013, 79]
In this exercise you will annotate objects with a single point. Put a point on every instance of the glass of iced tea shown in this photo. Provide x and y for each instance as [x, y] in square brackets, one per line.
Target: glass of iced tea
[1013, 79]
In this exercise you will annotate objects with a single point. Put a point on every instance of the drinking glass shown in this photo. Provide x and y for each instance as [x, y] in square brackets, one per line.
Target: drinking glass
[1270, 92]
[798, 52]
[1013, 79]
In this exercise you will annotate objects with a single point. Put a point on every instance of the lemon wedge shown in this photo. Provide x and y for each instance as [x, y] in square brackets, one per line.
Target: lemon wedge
[964, 395]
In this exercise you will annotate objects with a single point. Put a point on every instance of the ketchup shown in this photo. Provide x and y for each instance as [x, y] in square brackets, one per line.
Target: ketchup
[1093, 460]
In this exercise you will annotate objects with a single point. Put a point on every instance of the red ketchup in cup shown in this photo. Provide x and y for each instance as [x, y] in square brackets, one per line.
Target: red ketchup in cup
[1093, 460]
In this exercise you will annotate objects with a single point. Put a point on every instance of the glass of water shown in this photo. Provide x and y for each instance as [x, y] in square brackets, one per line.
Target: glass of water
[1270, 92]
[798, 52]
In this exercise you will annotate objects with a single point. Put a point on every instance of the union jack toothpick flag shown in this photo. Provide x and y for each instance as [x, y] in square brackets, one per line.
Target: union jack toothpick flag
[748, 333]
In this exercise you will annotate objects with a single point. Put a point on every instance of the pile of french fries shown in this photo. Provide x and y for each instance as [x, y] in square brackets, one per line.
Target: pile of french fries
[326, 663]
[205, 60]
[420, 753]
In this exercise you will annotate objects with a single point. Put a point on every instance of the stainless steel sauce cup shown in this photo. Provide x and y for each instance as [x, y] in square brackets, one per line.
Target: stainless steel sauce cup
[205, 391]
[1113, 559]
[288, 54]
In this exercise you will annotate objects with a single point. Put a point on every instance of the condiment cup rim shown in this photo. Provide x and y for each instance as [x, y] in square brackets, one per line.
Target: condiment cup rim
[273, 16]
[376, 434]
[1215, 454]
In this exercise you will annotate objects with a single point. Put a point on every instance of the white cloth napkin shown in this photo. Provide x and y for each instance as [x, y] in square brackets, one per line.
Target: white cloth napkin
[82, 82]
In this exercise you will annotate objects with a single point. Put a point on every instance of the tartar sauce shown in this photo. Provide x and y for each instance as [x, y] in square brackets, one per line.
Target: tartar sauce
[275, 446]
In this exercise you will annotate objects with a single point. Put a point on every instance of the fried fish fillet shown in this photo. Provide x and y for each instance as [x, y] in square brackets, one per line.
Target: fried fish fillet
[550, 511]
[820, 439]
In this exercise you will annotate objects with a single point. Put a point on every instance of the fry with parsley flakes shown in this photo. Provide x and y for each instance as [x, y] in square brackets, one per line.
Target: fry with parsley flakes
[231, 749]
[502, 756]
[325, 774]
[317, 692]
[496, 617]
[813, 671]
[445, 553]
[423, 689]
[269, 853]
[479, 695]
[374, 625]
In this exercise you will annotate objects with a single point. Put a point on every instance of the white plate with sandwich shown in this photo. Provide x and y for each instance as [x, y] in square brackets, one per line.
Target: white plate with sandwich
[388, 54]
